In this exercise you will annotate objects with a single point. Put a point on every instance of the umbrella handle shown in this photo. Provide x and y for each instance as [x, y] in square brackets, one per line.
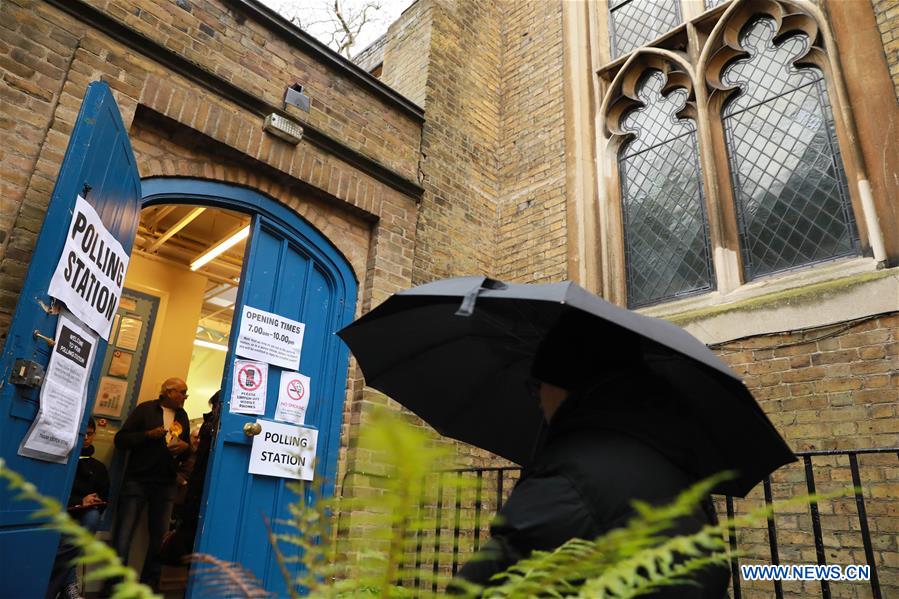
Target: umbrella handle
[471, 297]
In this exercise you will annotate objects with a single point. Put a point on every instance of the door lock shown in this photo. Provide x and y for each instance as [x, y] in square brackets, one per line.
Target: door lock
[251, 429]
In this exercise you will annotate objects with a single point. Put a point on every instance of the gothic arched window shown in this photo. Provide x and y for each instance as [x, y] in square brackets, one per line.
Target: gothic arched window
[791, 196]
[636, 22]
[665, 227]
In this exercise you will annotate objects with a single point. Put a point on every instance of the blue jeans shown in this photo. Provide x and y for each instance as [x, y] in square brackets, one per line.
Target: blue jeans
[159, 498]
[90, 520]
[63, 574]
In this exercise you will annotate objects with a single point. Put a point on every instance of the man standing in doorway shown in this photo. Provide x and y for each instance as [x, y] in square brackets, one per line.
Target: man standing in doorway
[157, 436]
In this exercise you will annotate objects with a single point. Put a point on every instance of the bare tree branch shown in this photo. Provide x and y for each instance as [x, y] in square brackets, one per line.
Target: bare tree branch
[338, 24]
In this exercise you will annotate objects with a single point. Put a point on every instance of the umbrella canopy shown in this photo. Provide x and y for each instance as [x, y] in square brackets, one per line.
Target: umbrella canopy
[458, 353]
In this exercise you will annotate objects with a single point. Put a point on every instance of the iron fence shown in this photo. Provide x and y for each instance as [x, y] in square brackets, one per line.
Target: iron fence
[831, 531]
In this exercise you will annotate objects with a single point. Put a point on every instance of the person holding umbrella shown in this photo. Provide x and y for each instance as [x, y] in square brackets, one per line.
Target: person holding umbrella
[630, 407]
[593, 461]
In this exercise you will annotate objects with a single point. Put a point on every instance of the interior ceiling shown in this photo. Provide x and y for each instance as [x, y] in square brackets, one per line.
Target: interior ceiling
[179, 234]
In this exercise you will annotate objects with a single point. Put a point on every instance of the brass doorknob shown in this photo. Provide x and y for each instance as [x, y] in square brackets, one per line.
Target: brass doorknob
[251, 429]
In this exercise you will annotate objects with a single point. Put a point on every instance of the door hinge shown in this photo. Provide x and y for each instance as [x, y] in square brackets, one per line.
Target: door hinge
[53, 308]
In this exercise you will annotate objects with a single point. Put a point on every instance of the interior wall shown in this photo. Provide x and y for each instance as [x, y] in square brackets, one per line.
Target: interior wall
[180, 293]
[204, 379]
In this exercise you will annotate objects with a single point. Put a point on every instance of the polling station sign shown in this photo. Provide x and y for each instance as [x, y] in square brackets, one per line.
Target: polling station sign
[90, 273]
[284, 451]
[270, 338]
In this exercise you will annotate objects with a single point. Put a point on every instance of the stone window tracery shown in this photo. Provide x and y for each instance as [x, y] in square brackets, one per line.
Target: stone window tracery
[636, 22]
[666, 234]
[727, 158]
[789, 188]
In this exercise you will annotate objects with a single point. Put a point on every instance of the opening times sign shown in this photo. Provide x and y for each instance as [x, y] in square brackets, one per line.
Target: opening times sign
[270, 338]
[91, 270]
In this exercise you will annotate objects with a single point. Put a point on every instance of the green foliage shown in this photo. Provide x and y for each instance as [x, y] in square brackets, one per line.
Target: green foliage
[626, 562]
[391, 516]
[105, 561]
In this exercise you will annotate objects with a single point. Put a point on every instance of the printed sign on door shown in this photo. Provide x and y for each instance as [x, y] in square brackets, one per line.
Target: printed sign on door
[248, 387]
[293, 397]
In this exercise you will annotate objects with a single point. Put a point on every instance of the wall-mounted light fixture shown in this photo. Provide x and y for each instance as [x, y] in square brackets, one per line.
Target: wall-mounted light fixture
[284, 128]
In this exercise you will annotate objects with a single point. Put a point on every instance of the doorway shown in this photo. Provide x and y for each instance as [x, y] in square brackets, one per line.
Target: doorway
[174, 320]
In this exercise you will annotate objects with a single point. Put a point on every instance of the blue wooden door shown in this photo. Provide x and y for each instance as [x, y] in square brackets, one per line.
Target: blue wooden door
[98, 164]
[284, 274]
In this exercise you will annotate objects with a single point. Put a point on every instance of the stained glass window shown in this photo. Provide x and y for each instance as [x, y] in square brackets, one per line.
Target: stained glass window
[633, 23]
[665, 226]
[789, 186]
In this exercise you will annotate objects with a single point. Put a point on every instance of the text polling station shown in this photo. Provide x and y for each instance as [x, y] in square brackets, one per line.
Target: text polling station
[284, 451]
[91, 270]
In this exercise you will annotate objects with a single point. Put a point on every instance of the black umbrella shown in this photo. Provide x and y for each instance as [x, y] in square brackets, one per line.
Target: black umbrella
[458, 352]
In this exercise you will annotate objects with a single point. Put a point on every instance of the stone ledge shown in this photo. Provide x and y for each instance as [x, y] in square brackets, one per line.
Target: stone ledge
[803, 301]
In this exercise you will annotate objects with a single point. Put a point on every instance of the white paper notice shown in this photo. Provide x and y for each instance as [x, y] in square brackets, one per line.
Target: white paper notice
[284, 451]
[293, 397]
[55, 429]
[129, 333]
[91, 270]
[270, 338]
[248, 387]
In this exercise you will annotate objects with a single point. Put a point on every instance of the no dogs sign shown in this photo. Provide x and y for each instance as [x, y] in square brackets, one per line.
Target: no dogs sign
[248, 387]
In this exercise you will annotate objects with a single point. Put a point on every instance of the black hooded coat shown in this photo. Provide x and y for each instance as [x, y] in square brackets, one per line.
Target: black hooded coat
[593, 462]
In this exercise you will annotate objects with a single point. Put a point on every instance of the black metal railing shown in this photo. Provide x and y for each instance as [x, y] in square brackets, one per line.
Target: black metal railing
[457, 535]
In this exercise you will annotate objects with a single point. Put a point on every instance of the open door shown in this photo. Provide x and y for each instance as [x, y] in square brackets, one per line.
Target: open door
[288, 275]
[100, 166]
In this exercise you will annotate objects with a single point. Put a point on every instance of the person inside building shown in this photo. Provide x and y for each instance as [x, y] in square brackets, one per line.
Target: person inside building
[181, 542]
[157, 436]
[90, 494]
[597, 454]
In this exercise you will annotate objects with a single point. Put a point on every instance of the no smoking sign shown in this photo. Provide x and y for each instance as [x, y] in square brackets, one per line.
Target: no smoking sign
[293, 397]
[296, 390]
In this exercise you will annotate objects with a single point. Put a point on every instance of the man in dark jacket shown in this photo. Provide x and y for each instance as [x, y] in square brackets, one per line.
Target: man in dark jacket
[611, 438]
[157, 436]
[90, 493]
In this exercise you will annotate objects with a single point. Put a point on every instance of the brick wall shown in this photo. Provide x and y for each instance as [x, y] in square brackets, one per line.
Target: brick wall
[824, 389]
[47, 59]
[531, 212]
[837, 388]
[455, 233]
[407, 50]
[35, 54]
[887, 14]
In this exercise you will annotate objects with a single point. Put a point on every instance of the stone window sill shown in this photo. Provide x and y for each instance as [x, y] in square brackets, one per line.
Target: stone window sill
[814, 297]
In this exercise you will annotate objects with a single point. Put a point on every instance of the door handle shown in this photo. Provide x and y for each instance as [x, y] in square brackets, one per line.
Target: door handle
[251, 429]
[48, 340]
